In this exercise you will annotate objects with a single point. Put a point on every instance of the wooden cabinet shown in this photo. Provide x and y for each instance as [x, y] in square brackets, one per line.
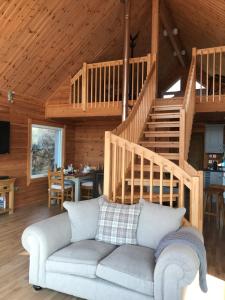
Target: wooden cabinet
[214, 138]
[7, 191]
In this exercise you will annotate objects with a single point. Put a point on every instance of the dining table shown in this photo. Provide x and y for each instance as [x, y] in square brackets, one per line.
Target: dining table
[77, 179]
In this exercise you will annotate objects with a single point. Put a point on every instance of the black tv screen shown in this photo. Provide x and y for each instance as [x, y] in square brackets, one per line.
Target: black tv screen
[4, 137]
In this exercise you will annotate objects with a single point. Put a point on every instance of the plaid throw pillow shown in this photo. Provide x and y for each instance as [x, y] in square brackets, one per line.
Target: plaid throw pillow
[117, 223]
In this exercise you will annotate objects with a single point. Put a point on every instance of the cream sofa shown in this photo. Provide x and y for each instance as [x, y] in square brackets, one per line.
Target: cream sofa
[96, 270]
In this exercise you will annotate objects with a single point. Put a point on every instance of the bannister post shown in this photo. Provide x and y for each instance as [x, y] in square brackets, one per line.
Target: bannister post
[196, 202]
[84, 87]
[107, 165]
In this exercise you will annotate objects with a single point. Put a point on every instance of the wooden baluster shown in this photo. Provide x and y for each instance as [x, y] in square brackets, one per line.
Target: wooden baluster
[123, 172]
[78, 90]
[91, 87]
[142, 74]
[96, 81]
[181, 192]
[201, 78]
[132, 82]
[113, 97]
[100, 85]
[151, 180]
[207, 77]
[171, 189]
[118, 85]
[132, 175]
[87, 90]
[220, 76]
[104, 92]
[84, 87]
[161, 185]
[142, 176]
[214, 58]
[74, 94]
[107, 165]
[114, 163]
[109, 82]
[137, 81]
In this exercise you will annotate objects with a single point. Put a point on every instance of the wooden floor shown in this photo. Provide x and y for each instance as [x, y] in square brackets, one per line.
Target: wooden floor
[14, 260]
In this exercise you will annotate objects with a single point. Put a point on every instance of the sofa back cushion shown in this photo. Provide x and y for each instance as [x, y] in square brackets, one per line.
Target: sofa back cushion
[117, 223]
[156, 221]
[83, 217]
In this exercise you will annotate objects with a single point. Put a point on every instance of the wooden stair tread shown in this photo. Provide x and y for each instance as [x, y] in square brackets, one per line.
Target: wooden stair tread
[167, 107]
[146, 168]
[165, 116]
[146, 196]
[170, 156]
[160, 144]
[156, 182]
[164, 124]
[167, 133]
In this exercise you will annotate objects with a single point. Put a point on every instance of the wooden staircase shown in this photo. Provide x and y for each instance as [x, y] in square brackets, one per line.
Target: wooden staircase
[162, 131]
[161, 134]
[146, 155]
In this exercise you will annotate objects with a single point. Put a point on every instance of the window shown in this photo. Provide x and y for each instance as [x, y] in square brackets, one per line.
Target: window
[176, 87]
[46, 149]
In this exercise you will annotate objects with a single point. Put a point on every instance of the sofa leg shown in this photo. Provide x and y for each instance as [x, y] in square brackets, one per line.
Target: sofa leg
[37, 287]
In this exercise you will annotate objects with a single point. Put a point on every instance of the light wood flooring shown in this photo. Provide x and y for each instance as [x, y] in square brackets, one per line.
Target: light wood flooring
[14, 260]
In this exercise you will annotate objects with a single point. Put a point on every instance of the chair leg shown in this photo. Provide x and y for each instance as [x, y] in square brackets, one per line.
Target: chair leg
[49, 199]
[62, 200]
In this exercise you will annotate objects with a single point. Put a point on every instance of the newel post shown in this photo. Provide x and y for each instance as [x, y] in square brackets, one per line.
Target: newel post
[84, 87]
[196, 202]
[107, 165]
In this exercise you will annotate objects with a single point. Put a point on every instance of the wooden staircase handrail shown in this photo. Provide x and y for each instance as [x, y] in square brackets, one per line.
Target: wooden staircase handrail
[210, 50]
[189, 106]
[114, 63]
[120, 130]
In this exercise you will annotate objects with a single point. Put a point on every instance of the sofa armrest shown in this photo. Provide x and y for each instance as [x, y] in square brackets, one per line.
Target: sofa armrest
[176, 268]
[41, 240]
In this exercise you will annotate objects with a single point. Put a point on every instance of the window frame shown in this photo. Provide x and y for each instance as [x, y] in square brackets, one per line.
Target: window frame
[43, 124]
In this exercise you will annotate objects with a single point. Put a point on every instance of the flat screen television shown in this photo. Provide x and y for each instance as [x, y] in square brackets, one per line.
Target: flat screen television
[4, 137]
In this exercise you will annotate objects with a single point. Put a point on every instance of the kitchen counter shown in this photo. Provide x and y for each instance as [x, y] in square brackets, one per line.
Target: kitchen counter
[220, 171]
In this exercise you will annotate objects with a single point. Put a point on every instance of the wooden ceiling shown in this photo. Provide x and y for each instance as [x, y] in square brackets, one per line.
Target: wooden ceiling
[201, 23]
[43, 42]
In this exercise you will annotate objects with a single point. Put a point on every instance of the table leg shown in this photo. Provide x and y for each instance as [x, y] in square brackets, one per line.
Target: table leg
[77, 190]
[11, 199]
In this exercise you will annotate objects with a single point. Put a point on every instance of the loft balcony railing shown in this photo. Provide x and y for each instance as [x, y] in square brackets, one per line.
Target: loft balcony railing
[210, 73]
[100, 84]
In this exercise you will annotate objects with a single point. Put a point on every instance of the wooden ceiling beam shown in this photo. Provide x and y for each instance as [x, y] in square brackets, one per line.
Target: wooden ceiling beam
[168, 24]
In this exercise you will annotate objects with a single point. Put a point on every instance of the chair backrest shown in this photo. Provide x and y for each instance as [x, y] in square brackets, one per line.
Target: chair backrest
[56, 178]
[4, 186]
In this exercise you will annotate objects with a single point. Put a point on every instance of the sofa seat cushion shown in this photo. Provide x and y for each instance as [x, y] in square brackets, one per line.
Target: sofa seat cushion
[129, 266]
[80, 258]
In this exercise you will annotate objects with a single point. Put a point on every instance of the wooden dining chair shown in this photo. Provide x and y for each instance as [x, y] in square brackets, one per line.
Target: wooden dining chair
[87, 189]
[57, 189]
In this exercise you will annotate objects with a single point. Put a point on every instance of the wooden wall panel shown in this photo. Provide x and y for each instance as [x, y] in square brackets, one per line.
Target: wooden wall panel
[15, 163]
[89, 141]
